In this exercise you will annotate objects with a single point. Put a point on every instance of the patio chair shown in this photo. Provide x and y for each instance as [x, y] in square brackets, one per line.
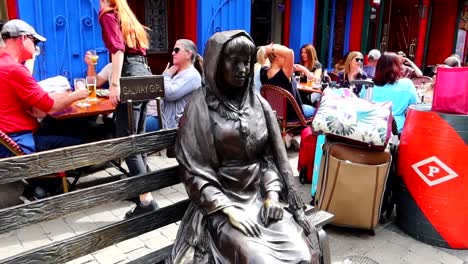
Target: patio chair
[333, 76]
[278, 98]
[16, 150]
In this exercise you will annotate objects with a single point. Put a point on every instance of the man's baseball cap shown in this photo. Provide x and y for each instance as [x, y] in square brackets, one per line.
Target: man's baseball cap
[374, 54]
[16, 28]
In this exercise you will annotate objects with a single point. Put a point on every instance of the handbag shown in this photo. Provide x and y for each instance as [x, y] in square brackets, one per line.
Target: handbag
[352, 184]
[451, 91]
[354, 120]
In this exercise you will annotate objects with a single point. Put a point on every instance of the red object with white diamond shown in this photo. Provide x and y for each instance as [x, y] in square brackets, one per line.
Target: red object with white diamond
[432, 161]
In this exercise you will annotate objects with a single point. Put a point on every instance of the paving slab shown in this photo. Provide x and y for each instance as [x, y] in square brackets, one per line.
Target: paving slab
[389, 245]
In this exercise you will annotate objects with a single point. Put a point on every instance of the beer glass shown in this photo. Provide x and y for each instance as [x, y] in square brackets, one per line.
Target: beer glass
[310, 81]
[91, 86]
[80, 83]
[94, 57]
[298, 79]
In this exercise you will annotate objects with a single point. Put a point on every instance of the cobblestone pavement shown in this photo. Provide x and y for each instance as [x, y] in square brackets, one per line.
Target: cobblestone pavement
[388, 245]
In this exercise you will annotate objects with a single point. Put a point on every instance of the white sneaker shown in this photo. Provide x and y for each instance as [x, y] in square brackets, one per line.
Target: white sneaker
[287, 140]
[296, 141]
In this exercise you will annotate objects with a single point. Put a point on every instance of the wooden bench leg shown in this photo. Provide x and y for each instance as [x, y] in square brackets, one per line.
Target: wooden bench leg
[324, 246]
[64, 184]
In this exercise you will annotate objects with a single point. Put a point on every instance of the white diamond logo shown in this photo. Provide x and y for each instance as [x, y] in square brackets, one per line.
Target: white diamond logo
[431, 171]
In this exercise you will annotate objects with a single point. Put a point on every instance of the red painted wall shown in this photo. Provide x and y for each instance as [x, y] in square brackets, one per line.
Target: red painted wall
[286, 22]
[442, 31]
[356, 25]
[12, 9]
[181, 22]
[423, 24]
[185, 25]
[190, 20]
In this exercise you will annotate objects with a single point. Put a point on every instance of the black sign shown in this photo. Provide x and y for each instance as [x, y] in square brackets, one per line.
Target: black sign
[141, 88]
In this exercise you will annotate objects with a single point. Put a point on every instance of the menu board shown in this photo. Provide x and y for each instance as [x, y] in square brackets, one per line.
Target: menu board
[156, 20]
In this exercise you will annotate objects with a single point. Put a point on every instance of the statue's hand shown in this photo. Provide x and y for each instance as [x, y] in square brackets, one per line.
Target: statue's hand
[271, 209]
[303, 221]
[241, 221]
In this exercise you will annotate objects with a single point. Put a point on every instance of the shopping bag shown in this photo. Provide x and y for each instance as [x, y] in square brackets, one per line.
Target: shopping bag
[352, 183]
[451, 91]
[354, 120]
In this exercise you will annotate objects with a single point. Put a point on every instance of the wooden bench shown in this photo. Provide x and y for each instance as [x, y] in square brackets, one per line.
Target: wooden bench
[35, 165]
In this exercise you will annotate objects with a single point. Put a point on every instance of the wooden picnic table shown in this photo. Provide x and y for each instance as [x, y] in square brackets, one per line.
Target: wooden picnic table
[101, 106]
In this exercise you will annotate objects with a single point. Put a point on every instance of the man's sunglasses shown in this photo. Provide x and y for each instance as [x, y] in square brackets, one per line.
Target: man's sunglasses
[359, 60]
[33, 39]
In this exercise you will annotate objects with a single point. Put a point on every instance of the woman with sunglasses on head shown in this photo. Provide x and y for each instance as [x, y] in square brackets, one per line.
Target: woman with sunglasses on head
[127, 41]
[353, 71]
[180, 80]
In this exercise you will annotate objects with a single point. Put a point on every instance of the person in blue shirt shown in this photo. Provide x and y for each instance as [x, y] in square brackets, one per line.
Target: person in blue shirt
[389, 86]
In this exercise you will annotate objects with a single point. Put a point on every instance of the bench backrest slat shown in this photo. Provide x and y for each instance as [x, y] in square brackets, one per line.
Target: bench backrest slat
[156, 257]
[86, 243]
[50, 208]
[52, 161]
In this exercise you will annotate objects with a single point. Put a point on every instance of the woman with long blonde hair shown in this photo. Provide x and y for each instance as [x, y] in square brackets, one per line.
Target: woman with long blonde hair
[353, 71]
[127, 41]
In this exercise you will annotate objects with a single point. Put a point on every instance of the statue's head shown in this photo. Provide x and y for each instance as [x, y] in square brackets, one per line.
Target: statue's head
[228, 62]
[236, 64]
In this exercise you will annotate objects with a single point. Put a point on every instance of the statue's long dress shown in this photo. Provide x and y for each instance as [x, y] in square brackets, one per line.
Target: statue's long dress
[242, 173]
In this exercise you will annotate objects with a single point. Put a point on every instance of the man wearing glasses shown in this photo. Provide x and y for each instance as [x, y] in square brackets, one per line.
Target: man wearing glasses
[22, 100]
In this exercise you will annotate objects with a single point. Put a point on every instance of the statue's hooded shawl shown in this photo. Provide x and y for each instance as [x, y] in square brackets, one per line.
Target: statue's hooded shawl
[196, 153]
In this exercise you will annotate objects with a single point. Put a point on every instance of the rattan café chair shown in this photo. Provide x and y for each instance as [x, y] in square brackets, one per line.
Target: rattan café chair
[278, 98]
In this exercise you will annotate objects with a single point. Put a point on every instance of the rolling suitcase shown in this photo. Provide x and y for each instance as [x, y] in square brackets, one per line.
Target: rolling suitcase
[305, 163]
[351, 184]
[317, 160]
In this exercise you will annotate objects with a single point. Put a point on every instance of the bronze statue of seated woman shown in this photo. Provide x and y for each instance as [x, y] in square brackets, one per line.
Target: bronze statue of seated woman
[235, 169]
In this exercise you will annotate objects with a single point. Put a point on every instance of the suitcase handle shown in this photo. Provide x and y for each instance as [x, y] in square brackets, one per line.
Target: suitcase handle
[365, 83]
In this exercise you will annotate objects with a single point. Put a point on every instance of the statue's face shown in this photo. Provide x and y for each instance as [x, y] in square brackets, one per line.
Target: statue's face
[236, 68]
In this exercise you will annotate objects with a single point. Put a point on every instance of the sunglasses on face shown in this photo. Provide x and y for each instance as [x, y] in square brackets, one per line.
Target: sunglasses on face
[33, 39]
[359, 60]
[176, 50]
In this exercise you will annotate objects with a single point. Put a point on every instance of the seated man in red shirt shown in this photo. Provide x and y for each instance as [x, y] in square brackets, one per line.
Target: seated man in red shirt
[22, 100]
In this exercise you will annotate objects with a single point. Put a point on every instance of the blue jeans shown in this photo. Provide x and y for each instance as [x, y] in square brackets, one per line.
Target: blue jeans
[133, 65]
[152, 123]
[31, 143]
[308, 110]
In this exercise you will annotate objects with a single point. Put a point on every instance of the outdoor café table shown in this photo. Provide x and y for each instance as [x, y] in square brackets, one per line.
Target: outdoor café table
[101, 106]
[302, 87]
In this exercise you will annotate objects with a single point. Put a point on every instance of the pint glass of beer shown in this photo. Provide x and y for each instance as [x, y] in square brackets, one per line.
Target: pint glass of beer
[93, 57]
[310, 81]
[91, 86]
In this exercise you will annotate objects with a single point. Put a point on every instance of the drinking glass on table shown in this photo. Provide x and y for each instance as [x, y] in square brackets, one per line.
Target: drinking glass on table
[93, 57]
[80, 83]
[310, 81]
[91, 86]
[297, 78]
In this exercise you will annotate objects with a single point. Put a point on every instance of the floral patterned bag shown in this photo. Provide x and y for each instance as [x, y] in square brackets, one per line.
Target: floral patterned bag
[351, 119]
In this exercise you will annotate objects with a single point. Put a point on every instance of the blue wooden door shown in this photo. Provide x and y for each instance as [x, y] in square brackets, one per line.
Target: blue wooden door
[71, 28]
[220, 15]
